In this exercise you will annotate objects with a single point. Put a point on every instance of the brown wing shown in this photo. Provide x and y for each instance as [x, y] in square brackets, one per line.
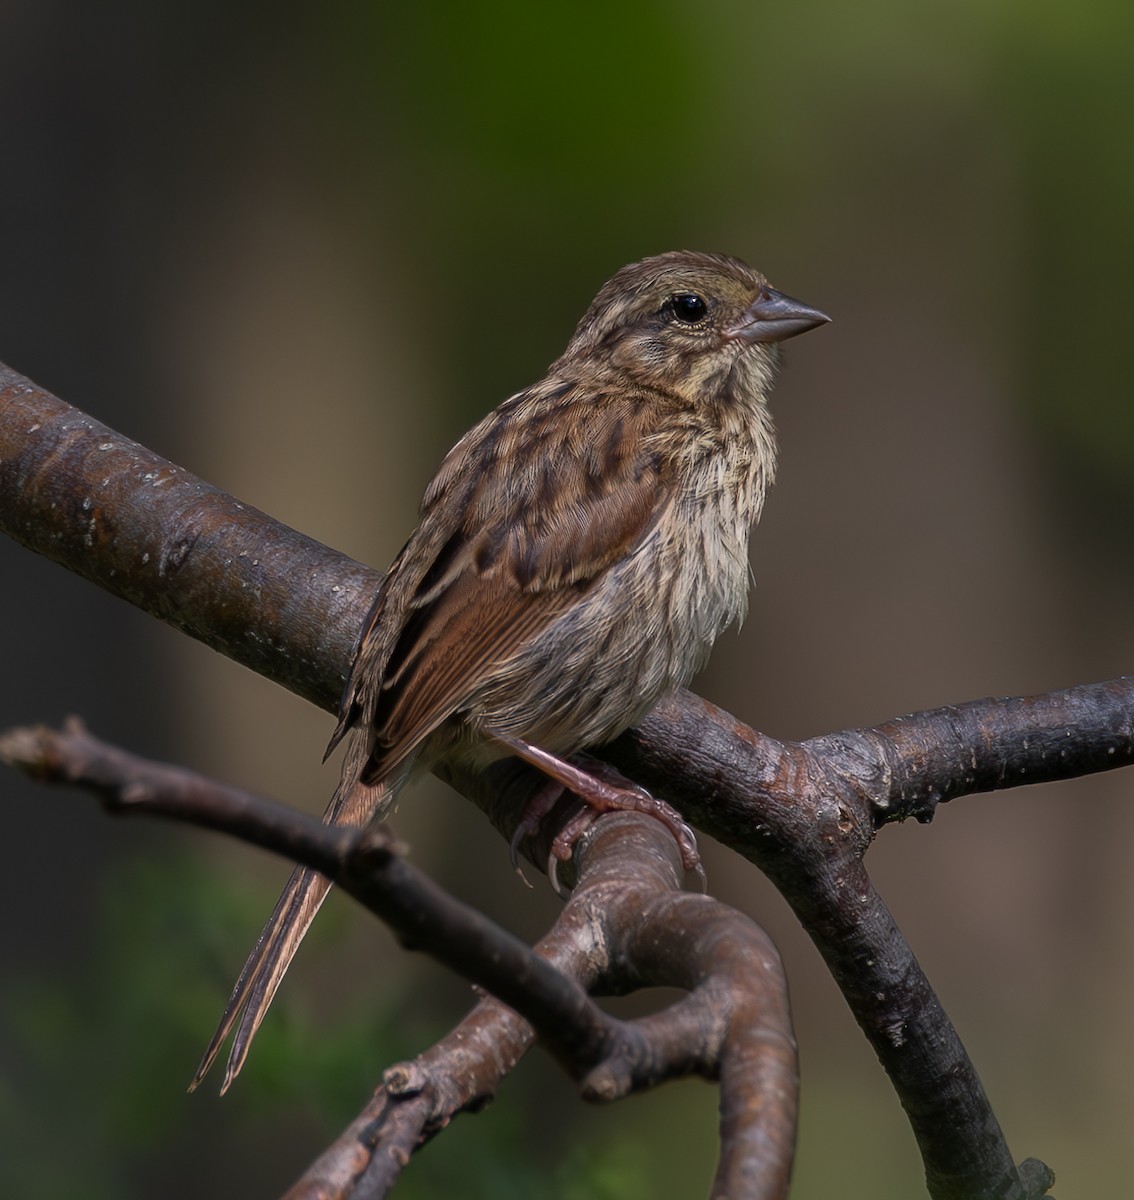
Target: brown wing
[519, 520]
[547, 494]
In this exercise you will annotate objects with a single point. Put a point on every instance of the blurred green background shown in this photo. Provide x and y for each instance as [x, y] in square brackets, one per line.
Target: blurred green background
[300, 252]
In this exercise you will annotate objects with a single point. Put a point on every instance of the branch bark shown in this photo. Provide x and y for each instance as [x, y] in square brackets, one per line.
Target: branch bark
[146, 530]
[804, 812]
[627, 926]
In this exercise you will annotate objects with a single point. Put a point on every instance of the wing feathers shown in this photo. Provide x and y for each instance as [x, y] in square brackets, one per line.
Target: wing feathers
[557, 524]
[520, 520]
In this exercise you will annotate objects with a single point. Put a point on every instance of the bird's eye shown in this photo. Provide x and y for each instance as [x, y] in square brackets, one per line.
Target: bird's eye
[688, 307]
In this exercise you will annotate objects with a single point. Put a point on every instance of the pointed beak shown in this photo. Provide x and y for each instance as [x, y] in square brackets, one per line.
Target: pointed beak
[773, 317]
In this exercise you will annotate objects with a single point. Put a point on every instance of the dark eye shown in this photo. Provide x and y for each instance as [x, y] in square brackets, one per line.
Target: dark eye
[688, 307]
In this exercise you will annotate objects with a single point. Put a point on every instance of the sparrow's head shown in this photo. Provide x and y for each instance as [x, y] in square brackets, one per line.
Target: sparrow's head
[691, 324]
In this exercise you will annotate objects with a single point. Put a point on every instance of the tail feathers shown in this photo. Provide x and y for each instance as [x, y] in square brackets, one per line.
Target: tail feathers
[295, 910]
[353, 804]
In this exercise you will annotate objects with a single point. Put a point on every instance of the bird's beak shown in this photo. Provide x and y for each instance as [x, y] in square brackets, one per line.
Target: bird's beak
[772, 317]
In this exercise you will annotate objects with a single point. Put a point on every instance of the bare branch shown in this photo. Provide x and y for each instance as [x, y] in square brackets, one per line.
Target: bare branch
[367, 1159]
[152, 533]
[365, 863]
[806, 813]
[627, 925]
[989, 745]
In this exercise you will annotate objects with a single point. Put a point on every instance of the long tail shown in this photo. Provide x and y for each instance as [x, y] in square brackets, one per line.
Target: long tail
[353, 804]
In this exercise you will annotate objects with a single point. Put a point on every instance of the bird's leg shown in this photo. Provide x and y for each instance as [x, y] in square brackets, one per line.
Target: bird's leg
[602, 789]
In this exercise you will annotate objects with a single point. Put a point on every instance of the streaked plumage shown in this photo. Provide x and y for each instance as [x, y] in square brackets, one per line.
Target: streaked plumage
[578, 553]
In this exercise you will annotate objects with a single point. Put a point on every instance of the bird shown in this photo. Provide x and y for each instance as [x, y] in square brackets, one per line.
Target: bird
[577, 554]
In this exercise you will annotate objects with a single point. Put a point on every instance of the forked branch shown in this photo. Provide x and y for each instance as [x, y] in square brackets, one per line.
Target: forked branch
[628, 925]
[804, 812]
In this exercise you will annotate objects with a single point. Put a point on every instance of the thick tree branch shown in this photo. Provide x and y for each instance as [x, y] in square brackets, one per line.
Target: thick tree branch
[148, 531]
[989, 745]
[805, 812]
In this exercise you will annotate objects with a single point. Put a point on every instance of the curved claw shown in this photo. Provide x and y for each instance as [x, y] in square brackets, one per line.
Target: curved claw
[514, 852]
[553, 876]
[538, 807]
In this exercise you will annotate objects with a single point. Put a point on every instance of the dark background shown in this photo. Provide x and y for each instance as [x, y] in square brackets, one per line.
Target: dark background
[299, 254]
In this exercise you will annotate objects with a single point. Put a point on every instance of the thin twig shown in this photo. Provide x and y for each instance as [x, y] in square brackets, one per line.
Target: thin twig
[628, 924]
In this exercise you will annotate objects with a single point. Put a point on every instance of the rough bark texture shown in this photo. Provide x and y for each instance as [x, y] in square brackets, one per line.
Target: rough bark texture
[805, 813]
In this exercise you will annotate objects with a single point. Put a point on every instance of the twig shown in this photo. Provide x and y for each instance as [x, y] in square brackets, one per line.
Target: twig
[627, 925]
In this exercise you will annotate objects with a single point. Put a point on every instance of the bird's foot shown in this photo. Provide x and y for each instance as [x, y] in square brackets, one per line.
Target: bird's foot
[602, 789]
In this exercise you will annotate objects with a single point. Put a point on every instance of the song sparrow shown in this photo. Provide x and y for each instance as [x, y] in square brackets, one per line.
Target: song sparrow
[578, 553]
